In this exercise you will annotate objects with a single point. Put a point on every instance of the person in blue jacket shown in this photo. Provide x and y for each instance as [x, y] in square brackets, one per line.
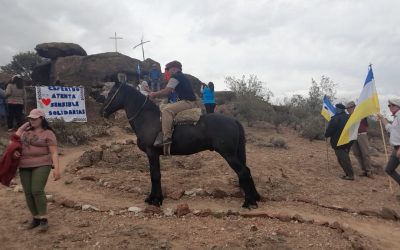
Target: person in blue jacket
[208, 96]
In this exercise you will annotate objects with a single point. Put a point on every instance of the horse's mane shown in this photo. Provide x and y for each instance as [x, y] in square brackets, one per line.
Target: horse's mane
[136, 94]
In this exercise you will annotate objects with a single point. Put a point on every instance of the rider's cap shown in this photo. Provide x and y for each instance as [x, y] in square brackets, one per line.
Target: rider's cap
[173, 64]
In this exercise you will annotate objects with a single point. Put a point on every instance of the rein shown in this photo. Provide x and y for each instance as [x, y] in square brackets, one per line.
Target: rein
[112, 98]
[137, 113]
[140, 109]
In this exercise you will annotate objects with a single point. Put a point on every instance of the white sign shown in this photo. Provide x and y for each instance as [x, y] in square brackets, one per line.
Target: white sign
[67, 103]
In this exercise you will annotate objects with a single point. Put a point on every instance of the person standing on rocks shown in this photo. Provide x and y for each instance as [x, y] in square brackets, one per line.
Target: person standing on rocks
[15, 102]
[155, 77]
[208, 97]
[3, 106]
[394, 130]
[38, 156]
[360, 146]
[334, 130]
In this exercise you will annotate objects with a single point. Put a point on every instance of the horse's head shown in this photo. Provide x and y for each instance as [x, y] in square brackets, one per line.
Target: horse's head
[114, 100]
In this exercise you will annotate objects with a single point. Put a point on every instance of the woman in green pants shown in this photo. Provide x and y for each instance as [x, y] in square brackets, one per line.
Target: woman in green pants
[38, 156]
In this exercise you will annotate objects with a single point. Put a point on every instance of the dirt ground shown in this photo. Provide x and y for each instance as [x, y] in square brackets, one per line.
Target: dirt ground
[305, 204]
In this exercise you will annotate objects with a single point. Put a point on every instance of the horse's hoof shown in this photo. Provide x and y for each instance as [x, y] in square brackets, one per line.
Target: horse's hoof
[153, 201]
[250, 206]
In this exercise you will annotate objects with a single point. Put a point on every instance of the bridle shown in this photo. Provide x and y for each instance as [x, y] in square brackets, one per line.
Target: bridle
[113, 97]
[136, 114]
[140, 109]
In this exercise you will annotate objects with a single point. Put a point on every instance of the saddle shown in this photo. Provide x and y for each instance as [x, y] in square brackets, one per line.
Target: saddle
[188, 117]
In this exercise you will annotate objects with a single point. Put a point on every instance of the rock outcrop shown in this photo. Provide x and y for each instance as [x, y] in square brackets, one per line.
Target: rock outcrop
[94, 68]
[56, 50]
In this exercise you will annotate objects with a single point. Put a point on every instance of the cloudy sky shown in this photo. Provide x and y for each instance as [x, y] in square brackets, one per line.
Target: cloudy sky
[285, 43]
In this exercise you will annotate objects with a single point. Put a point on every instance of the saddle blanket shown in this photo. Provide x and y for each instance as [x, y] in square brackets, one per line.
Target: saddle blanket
[188, 116]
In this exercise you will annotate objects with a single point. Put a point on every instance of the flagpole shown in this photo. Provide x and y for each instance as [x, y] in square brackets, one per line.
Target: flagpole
[327, 152]
[386, 155]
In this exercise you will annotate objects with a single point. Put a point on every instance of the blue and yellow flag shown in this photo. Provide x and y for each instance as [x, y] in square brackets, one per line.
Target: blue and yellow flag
[368, 104]
[328, 110]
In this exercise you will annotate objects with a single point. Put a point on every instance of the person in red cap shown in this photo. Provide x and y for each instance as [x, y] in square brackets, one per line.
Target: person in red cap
[38, 156]
[186, 100]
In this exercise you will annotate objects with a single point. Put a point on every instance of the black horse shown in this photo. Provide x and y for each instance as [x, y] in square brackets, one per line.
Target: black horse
[212, 132]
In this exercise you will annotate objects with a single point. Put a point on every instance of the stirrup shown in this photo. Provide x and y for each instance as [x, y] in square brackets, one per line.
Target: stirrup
[159, 140]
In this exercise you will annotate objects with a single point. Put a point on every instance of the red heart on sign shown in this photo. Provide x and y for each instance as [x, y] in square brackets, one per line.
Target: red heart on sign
[46, 101]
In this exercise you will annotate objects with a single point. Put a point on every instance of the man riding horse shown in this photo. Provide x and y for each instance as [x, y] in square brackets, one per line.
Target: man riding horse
[186, 100]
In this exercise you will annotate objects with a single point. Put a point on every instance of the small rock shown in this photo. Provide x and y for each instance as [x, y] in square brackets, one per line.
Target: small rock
[88, 178]
[135, 209]
[175, 194]
[116, 148]
[298, 218]
[193, 192]
[67, 182]
[253, 228]
[129, 141]
[389, 214]
[168, 212]
[68, 203]
[18, 189]
[152, 210]
[49, 198]
[284, 217]
[182, 209]
[84, 224]
[336, 225]
[88, 207]
[369, 213]
[322, 223]
[218, 193]
[203, 212]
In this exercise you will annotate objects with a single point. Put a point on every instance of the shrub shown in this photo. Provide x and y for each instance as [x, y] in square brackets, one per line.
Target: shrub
[278, 142]
[313, 128]
[76, 133]
[252, 98]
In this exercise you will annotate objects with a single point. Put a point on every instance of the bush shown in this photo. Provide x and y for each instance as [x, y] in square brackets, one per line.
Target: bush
[252, 98]
[313, 128]
[76, 133]
[278, 142]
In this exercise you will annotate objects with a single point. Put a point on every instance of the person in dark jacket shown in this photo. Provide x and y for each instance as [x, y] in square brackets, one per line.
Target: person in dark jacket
[334, 130]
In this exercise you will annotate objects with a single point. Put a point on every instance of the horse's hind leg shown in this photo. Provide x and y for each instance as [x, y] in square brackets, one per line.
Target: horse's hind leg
[156, 197]
[245, 181]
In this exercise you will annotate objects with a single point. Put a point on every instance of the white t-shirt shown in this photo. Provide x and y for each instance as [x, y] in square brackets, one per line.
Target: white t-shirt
[142, 86]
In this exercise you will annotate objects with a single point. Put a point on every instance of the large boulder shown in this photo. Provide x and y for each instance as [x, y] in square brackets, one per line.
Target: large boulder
[56, 50]
[41, 73]
[89, 70]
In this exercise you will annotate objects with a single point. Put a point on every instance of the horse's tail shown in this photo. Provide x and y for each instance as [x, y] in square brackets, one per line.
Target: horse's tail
[241, 150]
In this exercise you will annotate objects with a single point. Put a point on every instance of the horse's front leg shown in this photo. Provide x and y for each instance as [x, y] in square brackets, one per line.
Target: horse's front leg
[156, 197]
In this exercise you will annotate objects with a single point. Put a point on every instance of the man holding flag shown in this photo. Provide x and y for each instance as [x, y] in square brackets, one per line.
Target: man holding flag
[368, 104]
[334, 129]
